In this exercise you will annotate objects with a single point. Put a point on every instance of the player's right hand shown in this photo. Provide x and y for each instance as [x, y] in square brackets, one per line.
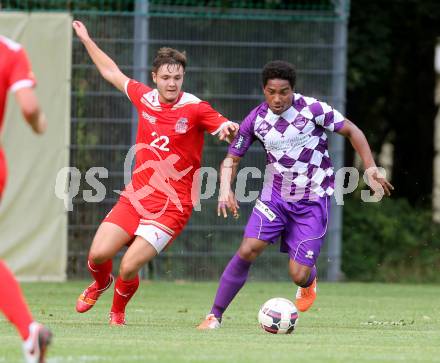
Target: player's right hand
[80, 29]
[378, 183]
[226, 202]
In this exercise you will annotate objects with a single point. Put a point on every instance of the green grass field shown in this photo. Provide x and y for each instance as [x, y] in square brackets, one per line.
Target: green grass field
[349, 322]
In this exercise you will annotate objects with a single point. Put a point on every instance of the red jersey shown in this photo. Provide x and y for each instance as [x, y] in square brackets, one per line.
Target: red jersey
[169, 144]
[15, 71]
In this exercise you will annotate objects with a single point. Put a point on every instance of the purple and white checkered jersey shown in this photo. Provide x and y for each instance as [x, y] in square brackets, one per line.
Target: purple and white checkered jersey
[298, 162]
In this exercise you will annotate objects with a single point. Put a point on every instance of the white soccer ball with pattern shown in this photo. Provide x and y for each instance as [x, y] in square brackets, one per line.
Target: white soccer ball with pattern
[278, 316]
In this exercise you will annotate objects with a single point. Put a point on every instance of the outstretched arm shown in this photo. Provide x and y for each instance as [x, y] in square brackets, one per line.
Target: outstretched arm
[106, 66]
[360, 144]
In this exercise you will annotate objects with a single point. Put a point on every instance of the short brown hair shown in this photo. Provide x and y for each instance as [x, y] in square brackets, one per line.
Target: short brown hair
[167, 55]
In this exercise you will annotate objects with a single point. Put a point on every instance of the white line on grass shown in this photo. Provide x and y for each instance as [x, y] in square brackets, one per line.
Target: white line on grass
[90, 358]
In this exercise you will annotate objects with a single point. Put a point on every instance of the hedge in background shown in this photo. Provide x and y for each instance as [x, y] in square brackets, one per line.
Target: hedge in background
[390, 241]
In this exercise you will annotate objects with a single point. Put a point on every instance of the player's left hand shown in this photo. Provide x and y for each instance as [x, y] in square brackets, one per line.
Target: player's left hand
[229, 131]
[228, 202]
[378, 182]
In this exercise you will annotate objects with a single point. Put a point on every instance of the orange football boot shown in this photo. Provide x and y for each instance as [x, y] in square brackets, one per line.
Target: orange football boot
[305, 297]
[90, 296]
[210, 322]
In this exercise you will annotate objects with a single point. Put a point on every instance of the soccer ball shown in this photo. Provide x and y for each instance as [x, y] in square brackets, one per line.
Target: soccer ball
[278, 316]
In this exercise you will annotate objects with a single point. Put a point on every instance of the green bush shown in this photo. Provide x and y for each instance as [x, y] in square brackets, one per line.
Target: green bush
[390, 241]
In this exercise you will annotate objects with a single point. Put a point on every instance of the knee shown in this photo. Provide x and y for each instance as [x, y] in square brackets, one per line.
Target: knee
[99, 252]
[299, 277]
[127, 270]
[97, 257]
[247, 252]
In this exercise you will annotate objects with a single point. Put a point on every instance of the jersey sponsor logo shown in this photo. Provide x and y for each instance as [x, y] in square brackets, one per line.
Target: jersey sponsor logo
[239, 143]
[297, 141]
[181, 125]
[263, 208]
[148, 117]
[300, 122]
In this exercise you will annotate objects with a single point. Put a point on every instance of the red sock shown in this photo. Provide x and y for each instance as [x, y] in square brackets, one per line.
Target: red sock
[124, 290]
[101, 272]
[12, 302]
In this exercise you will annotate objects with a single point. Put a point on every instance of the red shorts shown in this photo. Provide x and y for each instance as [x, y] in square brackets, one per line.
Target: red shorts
[3, 171]
[158, 224]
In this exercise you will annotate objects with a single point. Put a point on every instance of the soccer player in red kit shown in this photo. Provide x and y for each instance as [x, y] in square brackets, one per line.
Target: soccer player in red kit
[156, 205]
[16, 76]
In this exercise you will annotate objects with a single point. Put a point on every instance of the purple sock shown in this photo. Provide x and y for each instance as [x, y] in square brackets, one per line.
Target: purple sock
[233, 278]
[311, 277]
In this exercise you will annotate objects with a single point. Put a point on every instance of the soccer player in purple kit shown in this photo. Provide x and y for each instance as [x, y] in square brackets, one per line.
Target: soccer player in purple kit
[299, 181]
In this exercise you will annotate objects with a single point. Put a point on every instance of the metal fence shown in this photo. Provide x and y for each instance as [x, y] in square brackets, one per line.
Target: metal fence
[226, 48]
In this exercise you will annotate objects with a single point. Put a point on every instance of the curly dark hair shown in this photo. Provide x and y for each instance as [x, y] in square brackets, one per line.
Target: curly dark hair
[167, 55]
[279, 70]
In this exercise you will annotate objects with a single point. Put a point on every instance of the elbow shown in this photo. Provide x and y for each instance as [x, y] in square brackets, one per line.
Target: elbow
[230, 161]
[111, 75]
[349, 136]
[233, 160]
[108, 76]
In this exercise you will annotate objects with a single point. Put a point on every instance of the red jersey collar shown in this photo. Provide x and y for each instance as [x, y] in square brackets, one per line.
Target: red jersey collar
[170, 105]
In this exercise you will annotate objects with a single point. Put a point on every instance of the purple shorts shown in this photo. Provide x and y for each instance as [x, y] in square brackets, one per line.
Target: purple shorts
[302, 226]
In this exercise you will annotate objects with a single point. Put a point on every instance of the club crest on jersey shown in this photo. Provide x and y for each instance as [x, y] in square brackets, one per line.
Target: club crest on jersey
[181, 125]
[148, 117]
[264, 128]
[300, 122]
